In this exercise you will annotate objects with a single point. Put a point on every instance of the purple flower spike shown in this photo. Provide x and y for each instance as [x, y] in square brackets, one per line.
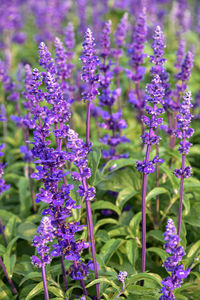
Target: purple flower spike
[112, 121]
[183, 132]
[90, 62]
[121, 31]
[186, 67]
[172, 263]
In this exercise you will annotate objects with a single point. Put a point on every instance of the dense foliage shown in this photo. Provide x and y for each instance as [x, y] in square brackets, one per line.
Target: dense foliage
[100, 154]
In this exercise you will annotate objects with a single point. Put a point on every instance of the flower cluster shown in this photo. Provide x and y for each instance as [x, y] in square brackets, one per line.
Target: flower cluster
[51, 169]
[155, 97]
[49, 16]
[185, 72]
[172, 263]
[137, 60]
[112, 121]
[41, 241]
[3, 187]
[90, 62]
[184, 132]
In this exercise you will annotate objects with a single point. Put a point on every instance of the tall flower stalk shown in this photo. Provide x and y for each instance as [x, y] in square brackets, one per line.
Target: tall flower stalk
[155, 97]
[184, 132]
[158, 60]
[137, 72]
[172, 263]
[89, 65]
[52, 122]
[112, 120]
[120, 36]
[182, 78]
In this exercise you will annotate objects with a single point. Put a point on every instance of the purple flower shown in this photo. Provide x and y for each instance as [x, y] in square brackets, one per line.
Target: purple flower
[184, 132]
[186, 68]
[121, 31]
[172, 263]
[41, 241]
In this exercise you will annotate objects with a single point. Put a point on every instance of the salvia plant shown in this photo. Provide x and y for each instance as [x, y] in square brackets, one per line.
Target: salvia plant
[99, 148]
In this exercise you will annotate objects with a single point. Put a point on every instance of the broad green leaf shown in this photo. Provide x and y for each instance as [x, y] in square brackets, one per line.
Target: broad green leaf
[194, 216]
[122, 179]
[103, 280]
[132, 251]
[35, 291]
[101, 204]
[114, 165]
[118, 231]
[10, 229]
[156, 234]
[27, 231]
[5, 292]
[143, 291]
[103, 222]
[174, 181]
[93, 163]
[6, 215]
[109, 249]
[160, 252]
[142, 276]
[56, 291]
[134, 223]
[37, 276]
[24, 197]
[194, 250]
[125, 195]
[2, 249]
[155, 192]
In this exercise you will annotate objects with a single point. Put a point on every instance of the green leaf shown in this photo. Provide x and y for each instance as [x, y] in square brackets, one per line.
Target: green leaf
[156, 234]
[124, 196]
[35, 291]
[10, 229]
[109, 249]
[2, 250]
[143, 291]
[194, 216]
[37, 276]
[160, 252]
[101, 204]
[114, 165]
[103, 280]
[142, 276]
[24, 197]
[93, 163]
[56, 291]
[132, 251]
[5, 293]
[103, 222]
[155, 192]
[27, 231]
[174, 181]
[134, 223]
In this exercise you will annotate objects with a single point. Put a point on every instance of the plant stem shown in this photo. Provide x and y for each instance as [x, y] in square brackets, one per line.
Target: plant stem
[157, 185]
[7, 277]
[88, 206]
[144, 191]
[46, 294]
[63, 272]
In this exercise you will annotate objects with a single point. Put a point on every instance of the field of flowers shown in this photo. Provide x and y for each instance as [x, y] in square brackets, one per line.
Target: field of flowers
[100, 149]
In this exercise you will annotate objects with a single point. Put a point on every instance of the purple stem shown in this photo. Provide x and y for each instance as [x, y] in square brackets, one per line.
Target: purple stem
[46, 294]
[88, 206]
[144, 192]
[88, 123]
[63, 272]
[7, 277]
[181, 189]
